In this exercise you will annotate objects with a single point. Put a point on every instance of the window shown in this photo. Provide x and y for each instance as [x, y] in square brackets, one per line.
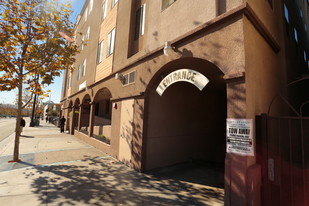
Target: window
[79, 72]
[114, 2]
[104, 8]
[111, 42]
[69, 80]
[140, 22]
[88, 33]
[305, 56]
[84, 67]
[287, 21]
[166, 3]
[296, 35]
[90, 6]
[129, 78]
[286, 14]
[100, 52]
[82, 43]
[86, 14]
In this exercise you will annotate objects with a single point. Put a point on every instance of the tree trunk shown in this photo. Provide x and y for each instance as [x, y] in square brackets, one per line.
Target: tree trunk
[18, 118]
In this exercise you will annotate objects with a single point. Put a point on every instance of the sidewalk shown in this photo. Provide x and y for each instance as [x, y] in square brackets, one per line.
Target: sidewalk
[59, 169]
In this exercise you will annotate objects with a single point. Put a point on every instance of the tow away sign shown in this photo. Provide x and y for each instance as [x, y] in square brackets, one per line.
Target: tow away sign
[239, 136]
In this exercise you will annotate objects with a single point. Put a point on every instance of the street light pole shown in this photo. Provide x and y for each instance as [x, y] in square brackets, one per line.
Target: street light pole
[32, 123]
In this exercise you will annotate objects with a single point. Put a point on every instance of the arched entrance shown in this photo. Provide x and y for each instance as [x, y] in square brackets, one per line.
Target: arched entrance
[75, 115]
[186, 124]
[102, 115]
[69, 116]
[85, 114]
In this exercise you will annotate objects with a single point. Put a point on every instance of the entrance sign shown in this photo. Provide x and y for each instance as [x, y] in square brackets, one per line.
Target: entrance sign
[185, 75]
[239, 136]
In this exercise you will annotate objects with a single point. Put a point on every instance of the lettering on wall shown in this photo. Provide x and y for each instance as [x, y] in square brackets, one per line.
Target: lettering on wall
[186, 75]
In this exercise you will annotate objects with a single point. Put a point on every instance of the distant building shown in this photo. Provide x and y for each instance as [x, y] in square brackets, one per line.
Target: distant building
[156, 81]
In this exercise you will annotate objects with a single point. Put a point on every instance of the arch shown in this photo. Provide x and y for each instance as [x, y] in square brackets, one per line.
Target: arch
[85, 114]
[68, 122]
[102, 115]
[71, 103]
[76, 102]
[185, 123]
[190, 63]
[75, 115]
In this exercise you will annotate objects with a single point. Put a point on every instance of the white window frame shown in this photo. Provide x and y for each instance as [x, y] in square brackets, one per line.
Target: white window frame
[111, 42]
[88, 33]
[90, 6]
[100, 52]
[79, 72]
[82, 43]
[143, 20]
[86, 13]
[84, 67]
[127, 78]
[140, 23]
[114, 2]
[104, 8]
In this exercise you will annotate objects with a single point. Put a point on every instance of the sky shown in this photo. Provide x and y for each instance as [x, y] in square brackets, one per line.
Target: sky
[56, 87]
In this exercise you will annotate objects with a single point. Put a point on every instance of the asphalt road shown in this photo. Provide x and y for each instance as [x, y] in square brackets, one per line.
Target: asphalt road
[7, 127]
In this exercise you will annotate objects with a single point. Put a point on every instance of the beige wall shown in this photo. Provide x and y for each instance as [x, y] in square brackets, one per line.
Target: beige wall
[162, 26]
[105, 67]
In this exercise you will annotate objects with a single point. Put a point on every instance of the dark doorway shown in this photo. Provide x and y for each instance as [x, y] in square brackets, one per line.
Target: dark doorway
[186, 125]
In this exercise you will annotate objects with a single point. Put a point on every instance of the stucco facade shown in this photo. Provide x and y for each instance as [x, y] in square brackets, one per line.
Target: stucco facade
[239, 46]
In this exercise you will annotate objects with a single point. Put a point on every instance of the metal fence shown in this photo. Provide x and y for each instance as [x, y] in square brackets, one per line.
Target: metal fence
[283, 152]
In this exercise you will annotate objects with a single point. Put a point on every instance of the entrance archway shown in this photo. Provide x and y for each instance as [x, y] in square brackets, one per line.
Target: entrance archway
[85, 114]
[186, 124]
[75, 115]
[102, 115]
[69, 116]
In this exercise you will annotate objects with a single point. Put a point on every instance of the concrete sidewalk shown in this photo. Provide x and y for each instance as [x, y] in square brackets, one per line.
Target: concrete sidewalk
[59, 169]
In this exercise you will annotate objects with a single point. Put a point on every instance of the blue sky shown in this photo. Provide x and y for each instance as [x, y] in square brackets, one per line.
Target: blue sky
[56, 87]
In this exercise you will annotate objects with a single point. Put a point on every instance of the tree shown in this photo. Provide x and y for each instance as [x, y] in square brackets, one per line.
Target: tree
[32, 51]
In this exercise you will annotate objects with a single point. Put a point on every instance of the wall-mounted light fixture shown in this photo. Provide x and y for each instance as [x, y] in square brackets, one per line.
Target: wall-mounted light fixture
[168, 49]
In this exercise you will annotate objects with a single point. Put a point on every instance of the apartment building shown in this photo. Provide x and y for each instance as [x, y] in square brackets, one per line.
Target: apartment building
[156, 81]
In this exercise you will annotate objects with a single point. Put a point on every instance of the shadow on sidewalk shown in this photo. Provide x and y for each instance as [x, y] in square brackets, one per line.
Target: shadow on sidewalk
[104, 181]
[27, 136]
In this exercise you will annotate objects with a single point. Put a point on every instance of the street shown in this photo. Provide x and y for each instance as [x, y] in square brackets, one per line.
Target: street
[7, 127]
